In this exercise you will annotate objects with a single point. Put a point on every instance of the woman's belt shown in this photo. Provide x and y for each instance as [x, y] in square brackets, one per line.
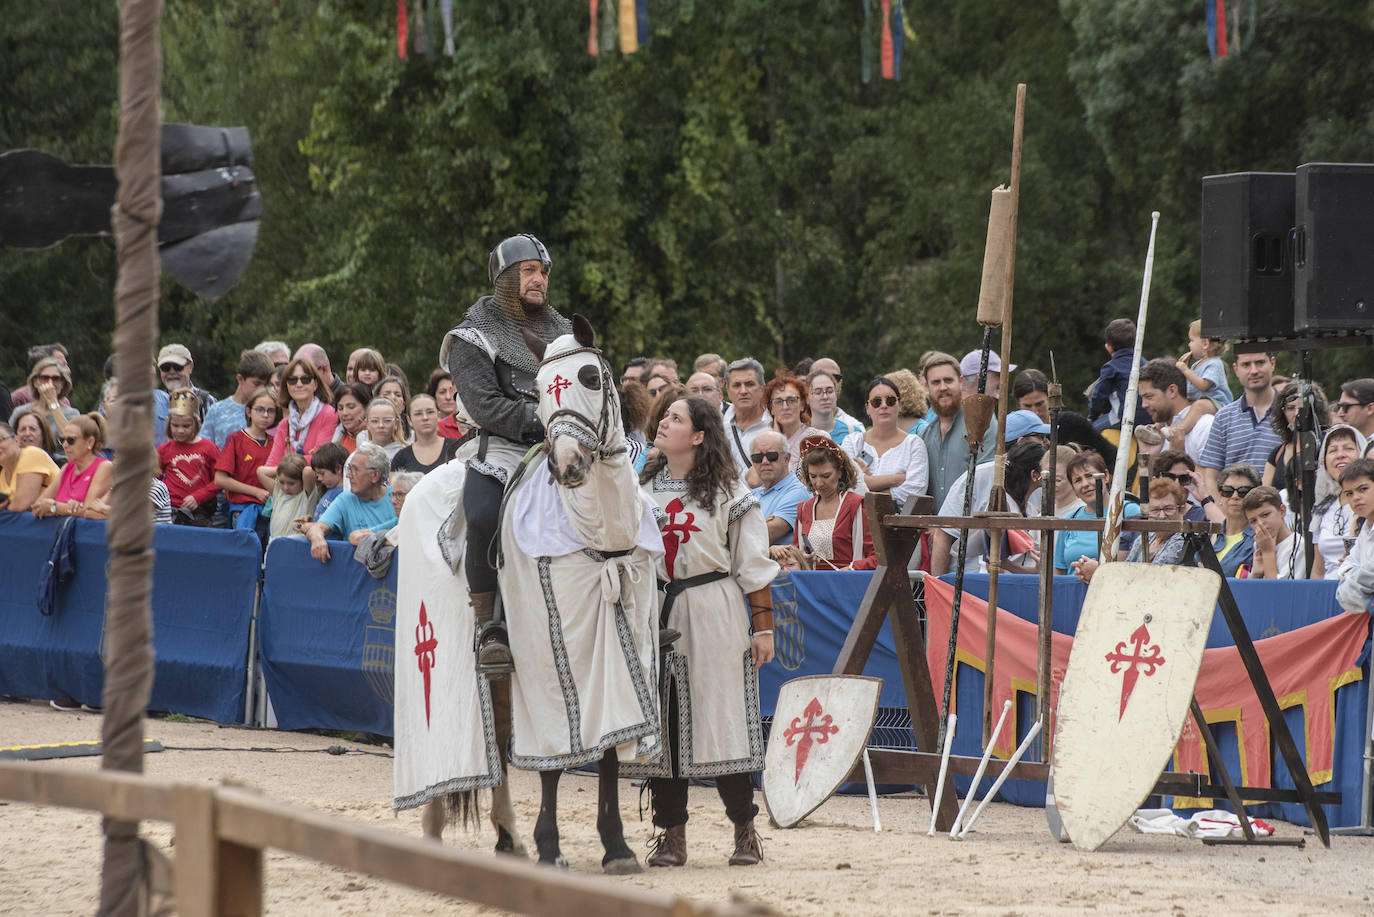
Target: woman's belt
[673, 588]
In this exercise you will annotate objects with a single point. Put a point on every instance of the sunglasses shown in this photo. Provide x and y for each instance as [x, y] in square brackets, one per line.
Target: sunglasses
[1342, 406]
[1227, 490]
[1184, 478]
[171, 367]
[298, 380]
[55, 380]
[757, 457]
[70, 440]
[878, 401]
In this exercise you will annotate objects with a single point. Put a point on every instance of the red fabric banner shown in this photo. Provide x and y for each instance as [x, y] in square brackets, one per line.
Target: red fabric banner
[402, 29]
[885, 52]
[592, 48]
[1221, 28]
[1305, 667]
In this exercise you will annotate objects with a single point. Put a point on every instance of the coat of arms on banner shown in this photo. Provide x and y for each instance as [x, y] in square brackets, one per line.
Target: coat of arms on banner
[1128, 688]
[821, 724]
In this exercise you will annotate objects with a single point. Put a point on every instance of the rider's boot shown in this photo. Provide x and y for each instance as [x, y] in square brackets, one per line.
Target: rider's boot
[493, 647]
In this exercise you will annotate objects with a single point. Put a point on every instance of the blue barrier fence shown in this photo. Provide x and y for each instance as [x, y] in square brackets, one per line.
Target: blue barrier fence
[204, 587]
[326, 638]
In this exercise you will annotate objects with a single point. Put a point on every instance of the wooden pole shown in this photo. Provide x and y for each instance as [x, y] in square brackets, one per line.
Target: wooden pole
[129, 649]
[997, 501]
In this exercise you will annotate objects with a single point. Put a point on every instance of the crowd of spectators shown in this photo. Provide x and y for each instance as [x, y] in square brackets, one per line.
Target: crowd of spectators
[296, 449]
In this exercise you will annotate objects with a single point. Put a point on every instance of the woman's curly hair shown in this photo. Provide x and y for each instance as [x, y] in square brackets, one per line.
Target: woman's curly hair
[778, 383]
[712, 473]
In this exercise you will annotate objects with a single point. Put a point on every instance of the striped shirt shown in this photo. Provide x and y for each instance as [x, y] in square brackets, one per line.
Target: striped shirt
[1239, 435]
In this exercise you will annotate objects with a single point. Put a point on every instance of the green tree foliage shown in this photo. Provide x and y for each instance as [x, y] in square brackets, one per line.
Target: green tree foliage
[733, 186]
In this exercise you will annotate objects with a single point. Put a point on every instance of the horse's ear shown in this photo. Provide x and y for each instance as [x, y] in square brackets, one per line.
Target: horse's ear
[582, 330]
[535, 343]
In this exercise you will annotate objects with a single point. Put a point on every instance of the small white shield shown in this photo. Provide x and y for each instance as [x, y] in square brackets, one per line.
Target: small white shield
[821, 724]
[1127, 691]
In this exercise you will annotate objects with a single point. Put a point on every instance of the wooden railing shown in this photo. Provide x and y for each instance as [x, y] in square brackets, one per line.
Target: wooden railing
[221, 833]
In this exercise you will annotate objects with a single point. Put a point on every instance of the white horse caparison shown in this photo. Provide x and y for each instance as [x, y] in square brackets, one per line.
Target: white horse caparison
[578, 585]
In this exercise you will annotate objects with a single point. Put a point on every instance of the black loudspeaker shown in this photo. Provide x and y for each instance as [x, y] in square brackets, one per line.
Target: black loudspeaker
[1334, 247]
[1247, 268]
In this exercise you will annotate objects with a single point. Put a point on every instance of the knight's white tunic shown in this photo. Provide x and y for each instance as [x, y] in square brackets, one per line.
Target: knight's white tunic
[720, 731]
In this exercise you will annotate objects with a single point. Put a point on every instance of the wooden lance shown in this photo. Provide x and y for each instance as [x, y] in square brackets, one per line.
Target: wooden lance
[997, 500]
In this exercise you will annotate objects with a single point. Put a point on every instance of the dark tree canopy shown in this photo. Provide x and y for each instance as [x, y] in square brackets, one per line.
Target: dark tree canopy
[732, 187]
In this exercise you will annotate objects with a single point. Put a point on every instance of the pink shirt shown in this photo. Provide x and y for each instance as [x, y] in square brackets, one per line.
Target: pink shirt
[73, 486]
[320, 431]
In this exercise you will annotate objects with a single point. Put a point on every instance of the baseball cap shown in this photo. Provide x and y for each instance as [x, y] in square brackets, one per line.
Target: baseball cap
[174, 353]
[968, 366]
[1020, 423]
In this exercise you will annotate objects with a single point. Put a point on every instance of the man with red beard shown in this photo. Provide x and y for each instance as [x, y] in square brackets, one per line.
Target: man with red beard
[945, 440]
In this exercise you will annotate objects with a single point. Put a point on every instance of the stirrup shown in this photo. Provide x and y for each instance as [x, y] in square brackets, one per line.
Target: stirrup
[494, 657]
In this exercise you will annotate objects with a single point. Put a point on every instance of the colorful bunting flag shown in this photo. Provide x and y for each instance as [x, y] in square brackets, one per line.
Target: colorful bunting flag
[866, 45]
[898, 33]
[446, 12]
[592, 47]
[1216, 27]
[402, 30]
[885, 52]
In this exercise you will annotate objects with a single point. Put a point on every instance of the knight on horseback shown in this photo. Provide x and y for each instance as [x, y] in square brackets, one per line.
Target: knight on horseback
[494, 371]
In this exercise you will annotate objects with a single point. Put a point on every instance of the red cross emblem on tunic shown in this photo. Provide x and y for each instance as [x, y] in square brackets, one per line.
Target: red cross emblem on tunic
[677, 533]
[1134, 662]
[813, 731]
[556, 388]
[425, 643]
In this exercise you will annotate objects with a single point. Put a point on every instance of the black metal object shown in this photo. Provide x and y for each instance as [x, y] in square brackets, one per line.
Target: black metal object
[1198, 546]
[210, 213]
[961, 551]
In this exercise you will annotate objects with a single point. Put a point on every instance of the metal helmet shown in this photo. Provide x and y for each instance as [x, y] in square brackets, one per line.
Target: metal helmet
[523, 247]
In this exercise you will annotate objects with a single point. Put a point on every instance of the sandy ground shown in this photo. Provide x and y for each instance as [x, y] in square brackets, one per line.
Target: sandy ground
[833, 863]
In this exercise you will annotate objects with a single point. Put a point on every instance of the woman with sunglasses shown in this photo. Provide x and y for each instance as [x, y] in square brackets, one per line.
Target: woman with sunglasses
[890, 459]
[24, 472]
[51, 382]
[1279, 469]
[1332, 520]
[83, 487]
[1235, 547]
[308, 417]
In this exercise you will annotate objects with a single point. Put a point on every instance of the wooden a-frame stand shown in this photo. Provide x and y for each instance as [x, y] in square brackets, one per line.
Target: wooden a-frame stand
[889, 597]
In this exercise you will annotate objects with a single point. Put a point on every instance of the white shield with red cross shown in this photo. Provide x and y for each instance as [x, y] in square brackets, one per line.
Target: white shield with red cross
[821, 724]
[1127, 691]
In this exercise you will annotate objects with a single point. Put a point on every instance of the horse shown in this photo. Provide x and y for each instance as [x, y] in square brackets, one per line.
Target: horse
[578, 546]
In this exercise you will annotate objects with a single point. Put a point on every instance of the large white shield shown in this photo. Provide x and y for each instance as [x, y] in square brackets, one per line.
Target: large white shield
[821, 724]
[1127, 691]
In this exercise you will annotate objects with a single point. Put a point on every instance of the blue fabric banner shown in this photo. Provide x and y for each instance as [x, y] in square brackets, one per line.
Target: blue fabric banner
[204, 585]
[327, 638]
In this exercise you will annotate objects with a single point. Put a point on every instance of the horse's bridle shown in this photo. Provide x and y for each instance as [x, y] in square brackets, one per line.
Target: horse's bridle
[574, 423]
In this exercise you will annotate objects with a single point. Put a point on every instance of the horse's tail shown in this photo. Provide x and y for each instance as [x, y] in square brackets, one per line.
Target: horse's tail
[462, 809]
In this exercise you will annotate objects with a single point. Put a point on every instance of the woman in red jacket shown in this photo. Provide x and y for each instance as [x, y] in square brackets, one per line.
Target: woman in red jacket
[188, 461]
[831, 526]
[308, 419]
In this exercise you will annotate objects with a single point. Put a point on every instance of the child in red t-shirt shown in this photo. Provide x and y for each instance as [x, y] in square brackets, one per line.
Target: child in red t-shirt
[188, 461]
[246, 450]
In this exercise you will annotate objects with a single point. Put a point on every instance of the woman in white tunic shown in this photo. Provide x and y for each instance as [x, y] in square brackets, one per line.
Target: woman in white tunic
[718, 572]
[891, 460]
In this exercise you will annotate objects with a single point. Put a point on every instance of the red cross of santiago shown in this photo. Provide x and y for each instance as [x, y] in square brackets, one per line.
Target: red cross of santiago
[677, 533]
[556, 388]
[812, 731]
[425, 643]
[1134, 662]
